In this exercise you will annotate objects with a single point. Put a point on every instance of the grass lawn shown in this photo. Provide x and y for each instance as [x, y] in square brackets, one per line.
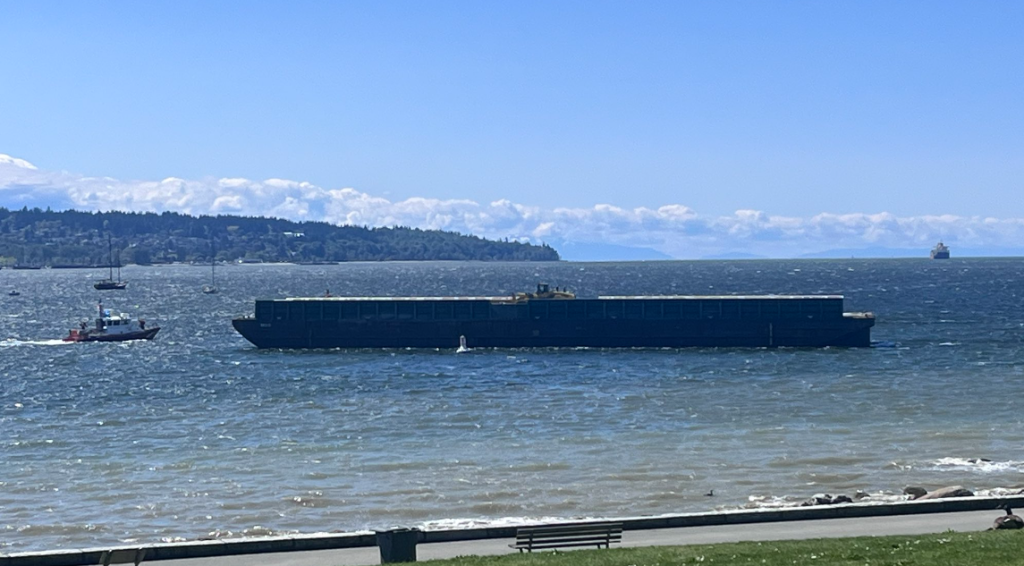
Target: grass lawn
[989, 548]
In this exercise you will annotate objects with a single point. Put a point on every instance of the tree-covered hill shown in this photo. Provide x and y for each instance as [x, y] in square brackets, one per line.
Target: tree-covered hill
[34, 237]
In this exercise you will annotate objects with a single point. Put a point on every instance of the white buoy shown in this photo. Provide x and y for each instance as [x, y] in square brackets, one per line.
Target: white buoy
[462, 345]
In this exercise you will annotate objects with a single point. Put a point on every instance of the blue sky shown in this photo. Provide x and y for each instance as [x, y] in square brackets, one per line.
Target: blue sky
[790, 109]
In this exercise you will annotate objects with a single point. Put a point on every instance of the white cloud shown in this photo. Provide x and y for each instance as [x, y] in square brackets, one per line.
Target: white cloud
[674, 229]
[15, 162]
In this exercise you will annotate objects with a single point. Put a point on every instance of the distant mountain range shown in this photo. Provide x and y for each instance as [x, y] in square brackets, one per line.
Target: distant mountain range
[734, 255]
[609, 252]
[590, 251]
[879, 252]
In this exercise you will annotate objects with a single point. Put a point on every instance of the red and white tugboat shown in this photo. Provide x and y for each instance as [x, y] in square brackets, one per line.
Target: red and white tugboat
[112, 328]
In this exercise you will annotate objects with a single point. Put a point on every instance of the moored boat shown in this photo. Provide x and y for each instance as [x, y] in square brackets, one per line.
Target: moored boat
[211, 289]
[556, 318]
[109, 284]
[111, 327]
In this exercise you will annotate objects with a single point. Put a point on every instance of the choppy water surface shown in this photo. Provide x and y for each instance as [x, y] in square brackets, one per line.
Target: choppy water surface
[198, 432]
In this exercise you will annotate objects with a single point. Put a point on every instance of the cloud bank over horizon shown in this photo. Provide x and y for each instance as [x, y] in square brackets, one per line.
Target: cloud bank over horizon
[672, 229]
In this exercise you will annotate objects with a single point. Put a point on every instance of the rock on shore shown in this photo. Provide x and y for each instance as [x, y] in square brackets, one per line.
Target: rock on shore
[826, 499]
[915, 492]
[951, 491]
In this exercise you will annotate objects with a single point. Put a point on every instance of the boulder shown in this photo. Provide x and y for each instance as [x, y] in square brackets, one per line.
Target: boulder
[817, 499]
[951, 491]
[915, 492]
[826, 499]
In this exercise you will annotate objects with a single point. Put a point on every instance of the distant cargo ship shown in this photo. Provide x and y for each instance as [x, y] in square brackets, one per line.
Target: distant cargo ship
[940, 251]
[556, 318]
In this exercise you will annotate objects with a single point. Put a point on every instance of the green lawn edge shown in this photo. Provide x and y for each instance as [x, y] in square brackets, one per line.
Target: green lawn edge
[986, 548]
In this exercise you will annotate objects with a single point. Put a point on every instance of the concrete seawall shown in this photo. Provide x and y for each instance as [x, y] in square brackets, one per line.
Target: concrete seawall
[311, 542]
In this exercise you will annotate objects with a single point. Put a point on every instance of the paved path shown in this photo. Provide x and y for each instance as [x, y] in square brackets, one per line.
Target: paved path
[783, 530]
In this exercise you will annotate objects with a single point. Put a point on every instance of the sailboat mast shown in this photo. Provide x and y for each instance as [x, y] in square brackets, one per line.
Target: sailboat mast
[110, 259]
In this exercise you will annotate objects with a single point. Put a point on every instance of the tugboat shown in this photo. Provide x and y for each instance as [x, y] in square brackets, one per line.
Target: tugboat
[940, 251]
[544, 292]
[112, 328]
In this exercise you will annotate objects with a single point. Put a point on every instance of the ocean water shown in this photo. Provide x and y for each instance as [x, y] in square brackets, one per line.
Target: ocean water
[198, 434]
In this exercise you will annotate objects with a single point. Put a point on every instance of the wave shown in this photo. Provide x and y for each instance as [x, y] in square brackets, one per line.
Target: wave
[978, 465]
[463, 523]
[11, 342]
[785, 501]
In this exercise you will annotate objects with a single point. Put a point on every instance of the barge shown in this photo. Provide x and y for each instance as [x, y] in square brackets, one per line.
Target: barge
[555, 318]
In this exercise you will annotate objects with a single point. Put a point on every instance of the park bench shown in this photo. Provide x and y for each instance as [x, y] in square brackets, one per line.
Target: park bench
[565, 535]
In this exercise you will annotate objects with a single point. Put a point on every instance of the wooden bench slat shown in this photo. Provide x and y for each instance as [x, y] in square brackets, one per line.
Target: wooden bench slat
[553, 546]
[567, 534]
[574, 542]
[573, 538]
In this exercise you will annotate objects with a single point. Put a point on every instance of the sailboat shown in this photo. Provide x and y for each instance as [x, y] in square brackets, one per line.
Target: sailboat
[211, 289]
[109, 283]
